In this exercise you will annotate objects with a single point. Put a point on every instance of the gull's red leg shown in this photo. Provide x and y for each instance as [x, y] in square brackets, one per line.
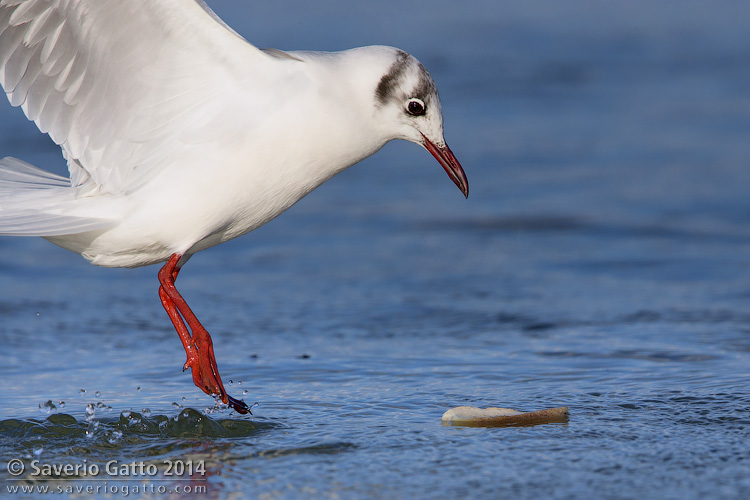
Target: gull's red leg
[198, 346]
[179, 325]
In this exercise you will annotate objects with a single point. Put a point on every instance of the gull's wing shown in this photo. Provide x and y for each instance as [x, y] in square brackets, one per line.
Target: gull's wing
[118, 83]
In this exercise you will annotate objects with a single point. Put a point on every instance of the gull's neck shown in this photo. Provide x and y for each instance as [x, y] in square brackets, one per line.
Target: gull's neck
[345, 84]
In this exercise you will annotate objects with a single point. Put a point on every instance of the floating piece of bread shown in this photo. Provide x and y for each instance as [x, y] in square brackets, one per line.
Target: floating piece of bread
[470, 416]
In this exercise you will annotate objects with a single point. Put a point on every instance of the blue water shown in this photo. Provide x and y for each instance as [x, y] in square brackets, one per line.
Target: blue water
[602, 262]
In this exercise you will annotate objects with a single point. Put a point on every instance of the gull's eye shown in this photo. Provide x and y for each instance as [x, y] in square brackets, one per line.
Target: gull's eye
[415, 107]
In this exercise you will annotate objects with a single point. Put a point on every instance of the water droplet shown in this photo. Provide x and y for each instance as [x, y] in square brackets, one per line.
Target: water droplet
[138, 389]
[239, 382]
[125, 413]
[38, 450]
[98, 394]
[47, 407]
[244, 392]
[183, 398]
[163, 424]
[176, 405]
[61, 404]
[230, 382]
[146, 412]
[90, 412]
[82, 392]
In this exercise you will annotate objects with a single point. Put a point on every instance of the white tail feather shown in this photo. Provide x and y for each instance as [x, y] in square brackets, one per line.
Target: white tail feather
[33, 202]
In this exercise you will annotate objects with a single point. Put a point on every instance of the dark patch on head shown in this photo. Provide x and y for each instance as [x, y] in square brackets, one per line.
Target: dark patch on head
[390, 80]
[426, 87]
[424, 90]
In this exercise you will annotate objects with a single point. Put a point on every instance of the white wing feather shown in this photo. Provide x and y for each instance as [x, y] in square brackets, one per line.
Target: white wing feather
[119, 83]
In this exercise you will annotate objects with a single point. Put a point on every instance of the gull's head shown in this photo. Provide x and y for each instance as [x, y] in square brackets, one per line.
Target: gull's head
[407, 104]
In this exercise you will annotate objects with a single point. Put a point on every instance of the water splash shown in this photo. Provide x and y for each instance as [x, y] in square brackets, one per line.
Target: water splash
[60, 434]
[91, 429]
[114, 437]
[90, 415]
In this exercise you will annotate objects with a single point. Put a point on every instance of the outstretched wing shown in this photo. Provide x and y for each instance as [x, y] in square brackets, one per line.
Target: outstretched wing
[117, 82]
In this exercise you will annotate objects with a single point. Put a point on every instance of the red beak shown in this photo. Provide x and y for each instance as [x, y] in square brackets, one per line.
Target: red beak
[448, 161]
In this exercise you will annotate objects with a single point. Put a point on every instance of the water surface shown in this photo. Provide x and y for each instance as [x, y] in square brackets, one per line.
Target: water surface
[602, 262]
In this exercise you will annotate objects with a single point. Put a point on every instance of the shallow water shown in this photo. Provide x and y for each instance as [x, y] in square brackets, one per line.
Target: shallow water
[602, 262]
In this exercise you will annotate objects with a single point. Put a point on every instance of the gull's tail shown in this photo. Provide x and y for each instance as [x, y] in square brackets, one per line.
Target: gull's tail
[34, 202]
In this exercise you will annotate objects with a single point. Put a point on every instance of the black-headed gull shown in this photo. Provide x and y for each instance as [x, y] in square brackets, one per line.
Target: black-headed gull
[180, 135]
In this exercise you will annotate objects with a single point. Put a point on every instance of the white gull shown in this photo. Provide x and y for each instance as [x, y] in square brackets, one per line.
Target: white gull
[180, 135]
